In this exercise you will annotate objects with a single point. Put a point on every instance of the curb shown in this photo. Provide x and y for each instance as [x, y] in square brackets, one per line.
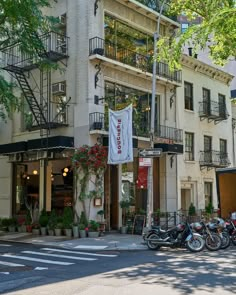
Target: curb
[117, 248]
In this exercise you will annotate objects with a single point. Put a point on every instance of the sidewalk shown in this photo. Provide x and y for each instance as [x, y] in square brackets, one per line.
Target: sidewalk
[108, 242]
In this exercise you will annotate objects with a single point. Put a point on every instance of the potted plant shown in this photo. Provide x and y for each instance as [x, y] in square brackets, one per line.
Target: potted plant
[68, 221]
[36, 228]
[43, 221]
[52, 221]
[82, 231]
[5, 224]
[59, 226]
[21, 225]
[93, 229]
[124, 204]
[12, 224]
[75, 229]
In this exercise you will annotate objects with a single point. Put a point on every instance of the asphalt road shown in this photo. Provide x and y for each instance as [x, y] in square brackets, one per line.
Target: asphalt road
[30, 269]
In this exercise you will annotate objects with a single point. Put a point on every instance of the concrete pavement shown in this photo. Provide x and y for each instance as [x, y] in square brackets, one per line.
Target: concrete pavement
[109, 241]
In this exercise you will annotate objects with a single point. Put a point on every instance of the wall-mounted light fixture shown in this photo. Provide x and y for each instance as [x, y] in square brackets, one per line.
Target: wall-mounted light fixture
[171, 161]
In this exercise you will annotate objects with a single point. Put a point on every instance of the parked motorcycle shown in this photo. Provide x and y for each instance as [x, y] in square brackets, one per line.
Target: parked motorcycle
[231, 228]
[176, 237]
[218, 226]
[213, 241]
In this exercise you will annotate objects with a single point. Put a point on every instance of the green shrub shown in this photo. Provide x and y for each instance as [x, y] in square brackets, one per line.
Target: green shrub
[52, 221]
[43, 218]
[83, 219]
[93, 225]
[192, 210]
[67, 217]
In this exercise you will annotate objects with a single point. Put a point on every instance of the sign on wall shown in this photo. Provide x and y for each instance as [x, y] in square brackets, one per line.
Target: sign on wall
[120, 136]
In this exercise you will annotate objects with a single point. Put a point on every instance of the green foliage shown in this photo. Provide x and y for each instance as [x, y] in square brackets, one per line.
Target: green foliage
[52, 221]
[192, 210]
[19, 22]
[59, 223]
[67, 217]
[83, 220]
[43, 218]
[93, 225]
[81, 226]
[209, 208]
[216, 32]
[5, 222]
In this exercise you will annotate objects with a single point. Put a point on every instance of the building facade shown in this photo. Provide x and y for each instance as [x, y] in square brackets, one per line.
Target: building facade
[104, 53]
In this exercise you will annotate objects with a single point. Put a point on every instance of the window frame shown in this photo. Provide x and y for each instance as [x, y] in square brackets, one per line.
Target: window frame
[188, 100]
[189, 148]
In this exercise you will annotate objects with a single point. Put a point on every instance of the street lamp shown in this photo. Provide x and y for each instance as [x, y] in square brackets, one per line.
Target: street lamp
[152, 127]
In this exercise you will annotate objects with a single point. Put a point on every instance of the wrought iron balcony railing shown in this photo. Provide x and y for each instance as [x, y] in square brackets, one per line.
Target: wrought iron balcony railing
[99, 121]
[214, 159]
[143, 62]
[213, 110]
[54, 47]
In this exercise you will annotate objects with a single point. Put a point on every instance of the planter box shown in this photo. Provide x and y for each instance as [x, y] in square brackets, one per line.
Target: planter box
[93, 234]
[51, 232]
[36, 231]
[43, 231]
[68, 232]
[58, 232]
[11, 228]
[123, 229]
[75, 231]
[82, 233]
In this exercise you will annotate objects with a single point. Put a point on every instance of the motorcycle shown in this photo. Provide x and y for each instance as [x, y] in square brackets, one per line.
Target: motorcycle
[231, 228]
[213, 241]
[218, 225]
[177, 237]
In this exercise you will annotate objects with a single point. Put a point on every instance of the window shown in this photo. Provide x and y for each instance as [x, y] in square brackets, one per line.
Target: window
[222, 106]
[207, 149]
[184, 27]
[223, 152]
[188, 96]
[206, 95]
[208, 193]
[189, 146]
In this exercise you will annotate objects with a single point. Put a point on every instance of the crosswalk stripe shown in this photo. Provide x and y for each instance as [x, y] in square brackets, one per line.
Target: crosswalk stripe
[80, 253]
[38, 260]
[5, 245]
[10, 263]
[60, 256]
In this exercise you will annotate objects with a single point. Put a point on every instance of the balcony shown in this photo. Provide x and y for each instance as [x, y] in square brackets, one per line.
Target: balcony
[213, 159]
[213, 111]
[99, 122]
[98, 46]
[55, 48]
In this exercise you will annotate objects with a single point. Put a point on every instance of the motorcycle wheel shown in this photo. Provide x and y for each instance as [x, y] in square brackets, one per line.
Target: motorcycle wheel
[213, 242]
[196, 243]
[225, 240]
[151, 244]
[233, 238]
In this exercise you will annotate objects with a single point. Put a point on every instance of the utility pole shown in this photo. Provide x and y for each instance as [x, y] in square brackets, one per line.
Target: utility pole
[152, 126]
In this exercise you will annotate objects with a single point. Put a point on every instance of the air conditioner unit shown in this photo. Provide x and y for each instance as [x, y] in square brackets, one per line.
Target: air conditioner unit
[15, 158]
[59, 88]
[44, 155]
[62, 19]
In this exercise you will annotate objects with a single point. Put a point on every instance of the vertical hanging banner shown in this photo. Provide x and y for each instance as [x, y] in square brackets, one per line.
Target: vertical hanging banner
[120, 136]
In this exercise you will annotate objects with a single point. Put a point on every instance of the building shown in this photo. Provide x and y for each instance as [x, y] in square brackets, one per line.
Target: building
[106, 64]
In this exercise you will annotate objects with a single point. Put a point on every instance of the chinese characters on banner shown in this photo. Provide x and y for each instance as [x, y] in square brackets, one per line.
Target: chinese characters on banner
[120, 136]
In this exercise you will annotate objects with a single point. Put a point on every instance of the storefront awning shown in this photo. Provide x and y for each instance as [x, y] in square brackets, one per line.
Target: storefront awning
[12, 148]
[170, 148]
[57, 143]
[52, 143]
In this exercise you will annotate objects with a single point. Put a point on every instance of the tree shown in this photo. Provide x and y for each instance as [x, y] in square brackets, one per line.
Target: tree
[20, 23]
[217, 31]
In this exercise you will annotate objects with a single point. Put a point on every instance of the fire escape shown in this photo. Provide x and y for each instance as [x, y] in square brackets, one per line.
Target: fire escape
[37, 92]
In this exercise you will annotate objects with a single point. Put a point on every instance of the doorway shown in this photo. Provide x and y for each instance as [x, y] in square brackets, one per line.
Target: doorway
[185, 199]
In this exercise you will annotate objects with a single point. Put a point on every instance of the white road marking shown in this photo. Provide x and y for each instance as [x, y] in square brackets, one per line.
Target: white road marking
[5, 273]
[80, 253]
[40, 268]
[90, 247]
[10, 263]
[38, 260]
[60, 256]
[5, 245]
